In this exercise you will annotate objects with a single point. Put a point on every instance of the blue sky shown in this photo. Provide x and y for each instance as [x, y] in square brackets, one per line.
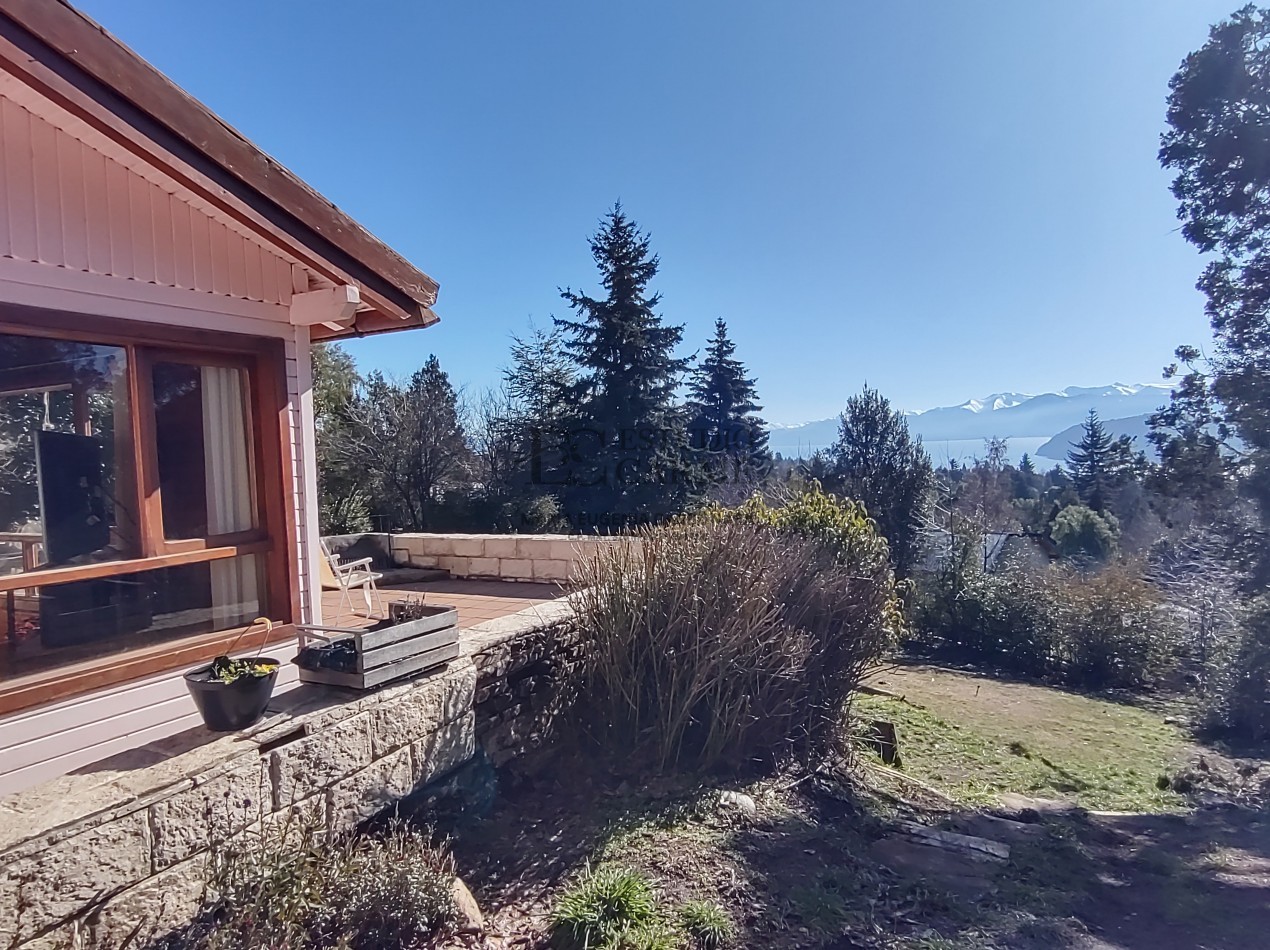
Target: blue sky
[943, 199]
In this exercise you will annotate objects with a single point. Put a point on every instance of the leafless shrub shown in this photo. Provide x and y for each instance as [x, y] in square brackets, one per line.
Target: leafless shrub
[1095, 629]
[1202, 592]
[290, 886]
[1110, 625]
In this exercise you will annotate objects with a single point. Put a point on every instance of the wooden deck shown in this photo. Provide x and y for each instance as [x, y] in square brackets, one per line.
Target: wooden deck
[477, 601]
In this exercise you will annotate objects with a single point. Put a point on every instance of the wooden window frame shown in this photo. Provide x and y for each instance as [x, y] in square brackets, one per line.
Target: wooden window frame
[154, 539]
[275, 540]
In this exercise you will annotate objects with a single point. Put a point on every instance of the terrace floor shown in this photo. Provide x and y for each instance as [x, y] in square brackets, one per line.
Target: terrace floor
[477, 601]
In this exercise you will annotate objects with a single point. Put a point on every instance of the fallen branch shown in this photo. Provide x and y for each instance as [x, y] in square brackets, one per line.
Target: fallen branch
[951, 841]
[878, 691]
[894, 773]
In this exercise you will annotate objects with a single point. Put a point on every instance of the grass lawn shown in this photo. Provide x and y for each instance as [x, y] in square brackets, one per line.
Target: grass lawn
[975, 738]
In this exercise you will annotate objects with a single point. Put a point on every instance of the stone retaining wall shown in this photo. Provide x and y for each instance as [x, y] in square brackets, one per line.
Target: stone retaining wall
[548, 558]
[120, 848]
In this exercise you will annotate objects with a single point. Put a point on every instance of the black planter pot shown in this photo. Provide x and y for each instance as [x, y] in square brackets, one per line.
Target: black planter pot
[228, 707]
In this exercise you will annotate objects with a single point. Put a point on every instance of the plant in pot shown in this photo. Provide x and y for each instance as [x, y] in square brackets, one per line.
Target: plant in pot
[232, 694]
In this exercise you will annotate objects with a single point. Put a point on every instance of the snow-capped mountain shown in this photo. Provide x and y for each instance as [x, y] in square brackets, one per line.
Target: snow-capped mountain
[1027, 420]
[987, 403]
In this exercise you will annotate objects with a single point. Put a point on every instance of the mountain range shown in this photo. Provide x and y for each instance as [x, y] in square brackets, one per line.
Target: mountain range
[1042, 424]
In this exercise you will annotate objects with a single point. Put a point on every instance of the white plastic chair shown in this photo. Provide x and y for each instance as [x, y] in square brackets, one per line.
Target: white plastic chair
[354, 575]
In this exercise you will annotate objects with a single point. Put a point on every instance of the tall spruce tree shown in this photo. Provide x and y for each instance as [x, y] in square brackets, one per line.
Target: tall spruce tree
[726, 430]
[1099, 464]
[629, 447]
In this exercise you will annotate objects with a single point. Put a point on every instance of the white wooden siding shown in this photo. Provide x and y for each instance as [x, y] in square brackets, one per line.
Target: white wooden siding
[42, 743]
[89, 228]
[70, 205]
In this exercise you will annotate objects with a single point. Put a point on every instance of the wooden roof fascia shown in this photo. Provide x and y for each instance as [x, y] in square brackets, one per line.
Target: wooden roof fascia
[106, 71]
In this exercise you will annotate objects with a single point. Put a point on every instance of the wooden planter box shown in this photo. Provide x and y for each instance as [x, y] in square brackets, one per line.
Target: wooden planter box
[387, 653]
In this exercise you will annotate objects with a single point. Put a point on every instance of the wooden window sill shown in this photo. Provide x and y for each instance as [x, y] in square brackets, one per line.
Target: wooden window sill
[98, 569]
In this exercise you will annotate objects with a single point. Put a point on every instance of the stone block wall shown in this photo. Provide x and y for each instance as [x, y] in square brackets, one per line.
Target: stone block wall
[520, 687]
[545, 558]
[352, 547]
[121, 847]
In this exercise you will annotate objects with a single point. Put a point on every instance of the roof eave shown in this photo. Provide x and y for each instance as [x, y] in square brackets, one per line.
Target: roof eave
[83, 53]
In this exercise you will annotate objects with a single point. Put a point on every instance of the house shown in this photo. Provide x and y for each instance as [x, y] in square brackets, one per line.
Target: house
[161, 283]
[995, 551]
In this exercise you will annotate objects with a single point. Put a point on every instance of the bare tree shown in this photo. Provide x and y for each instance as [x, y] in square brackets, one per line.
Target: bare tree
[493, 422]
[1203, 592]
[984, 496]
[408, 438]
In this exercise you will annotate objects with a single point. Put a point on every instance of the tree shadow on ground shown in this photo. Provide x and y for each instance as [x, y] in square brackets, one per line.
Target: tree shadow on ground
[819, 865]
[1151, 881]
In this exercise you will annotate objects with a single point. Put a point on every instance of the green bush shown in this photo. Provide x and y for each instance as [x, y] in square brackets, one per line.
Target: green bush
[1239, 697]
[842, 526]
[726, 637]
[1084, 534]
[389, 892]
[1088, 629]
[607, 909]
[1002, 619]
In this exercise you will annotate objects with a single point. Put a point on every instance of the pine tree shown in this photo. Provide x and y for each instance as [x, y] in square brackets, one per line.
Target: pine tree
[877, 461]
[726, 429]
[629, 439]
[540, 377]
[1098, 464]
[521, 431]
[1216, 425]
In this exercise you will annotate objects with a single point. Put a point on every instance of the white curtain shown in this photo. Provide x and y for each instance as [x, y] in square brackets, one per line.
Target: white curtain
[235, 587]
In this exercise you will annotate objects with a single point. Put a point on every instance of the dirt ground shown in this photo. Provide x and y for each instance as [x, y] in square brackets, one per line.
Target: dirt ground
[819, 862]
[1199, 880]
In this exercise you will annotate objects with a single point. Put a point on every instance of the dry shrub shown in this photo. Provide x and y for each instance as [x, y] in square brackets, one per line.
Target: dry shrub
[1092, 629]
[1111, 630]
[290, 886]
[1238, 701]
[718, 639]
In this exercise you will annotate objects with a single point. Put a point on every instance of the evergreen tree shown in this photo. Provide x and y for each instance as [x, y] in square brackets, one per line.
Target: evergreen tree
[817, 468]
[1196, 461]
[521, 432]
[629, 448]
[1084, 534]
[877, 461]
[726, 430]
[540, 377]
[1216, 144]
[1026, 467]
[1099, 464]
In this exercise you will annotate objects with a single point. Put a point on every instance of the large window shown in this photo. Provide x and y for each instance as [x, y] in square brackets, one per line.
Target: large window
[203, 442]
[132, 513]
[64, 410]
